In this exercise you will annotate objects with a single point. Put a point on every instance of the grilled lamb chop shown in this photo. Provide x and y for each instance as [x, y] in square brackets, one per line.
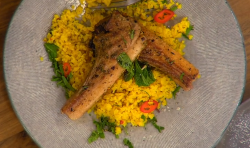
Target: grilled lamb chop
[109, 44]
[160, 55]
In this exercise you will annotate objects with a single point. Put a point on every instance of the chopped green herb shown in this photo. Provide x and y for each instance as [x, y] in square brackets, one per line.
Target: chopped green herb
[61, 69]
[102, 126]
[85, 87]
[164, 2]
[99, 129]
[58, 69]
[69, 76]
[185, 36]
[173, 8]
[181, 76]
[124, 40]
[124, 61]
[145, 92]
[191, 27]
[54, 78]
[127, 143]
[132, 33]
[153, 121]
[60, 83]
[128, 75]
[52, 51]
[125, 128]
[177, 89]
[93, 137]
[67, 84]
[143, 117]
[143, 77]
[67, 94]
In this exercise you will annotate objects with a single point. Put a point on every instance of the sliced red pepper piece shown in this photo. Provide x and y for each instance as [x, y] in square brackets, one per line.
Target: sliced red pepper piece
[121, 122]
[164, 16]
[147, 108]
[66, 69]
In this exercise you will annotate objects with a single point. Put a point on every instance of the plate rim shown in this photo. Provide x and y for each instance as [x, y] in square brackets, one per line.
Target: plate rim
[36, 141]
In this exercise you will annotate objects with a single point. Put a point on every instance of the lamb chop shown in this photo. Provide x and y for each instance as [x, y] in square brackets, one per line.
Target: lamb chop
[160, 55]
[114, 39]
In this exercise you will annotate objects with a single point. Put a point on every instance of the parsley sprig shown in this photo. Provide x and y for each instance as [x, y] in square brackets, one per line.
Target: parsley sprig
[132, 33]
[127, 143]
[164, 2]
[153, 121]
[191, 27]
[173, 8]
[58, 69]
[143, 75]
[177, 89]
[101, 126]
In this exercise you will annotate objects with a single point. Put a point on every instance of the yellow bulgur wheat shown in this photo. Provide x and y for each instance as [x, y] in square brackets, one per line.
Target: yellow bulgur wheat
[122, 101]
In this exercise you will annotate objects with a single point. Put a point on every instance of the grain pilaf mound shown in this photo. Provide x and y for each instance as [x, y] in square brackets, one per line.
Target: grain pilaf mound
[122, 102]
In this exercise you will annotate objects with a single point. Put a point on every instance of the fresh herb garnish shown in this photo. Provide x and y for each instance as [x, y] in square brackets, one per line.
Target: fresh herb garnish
[143, 117]
[93, 137]
[124, 61]
[191, 27]
[177, 89]
[101, 126]
[132, 33]
[85, 87]
[129, 74]
[173, 8]
[127, 143]
[164, 2]
[181, 76]
[70, 76]
[51, 50]
[153, 121]
[58, 69]
[124, 40]
[143, 77]
[68, 86]
[145, 92]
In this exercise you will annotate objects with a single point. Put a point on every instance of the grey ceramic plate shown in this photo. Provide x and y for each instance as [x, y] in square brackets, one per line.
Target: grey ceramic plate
[217, 50]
